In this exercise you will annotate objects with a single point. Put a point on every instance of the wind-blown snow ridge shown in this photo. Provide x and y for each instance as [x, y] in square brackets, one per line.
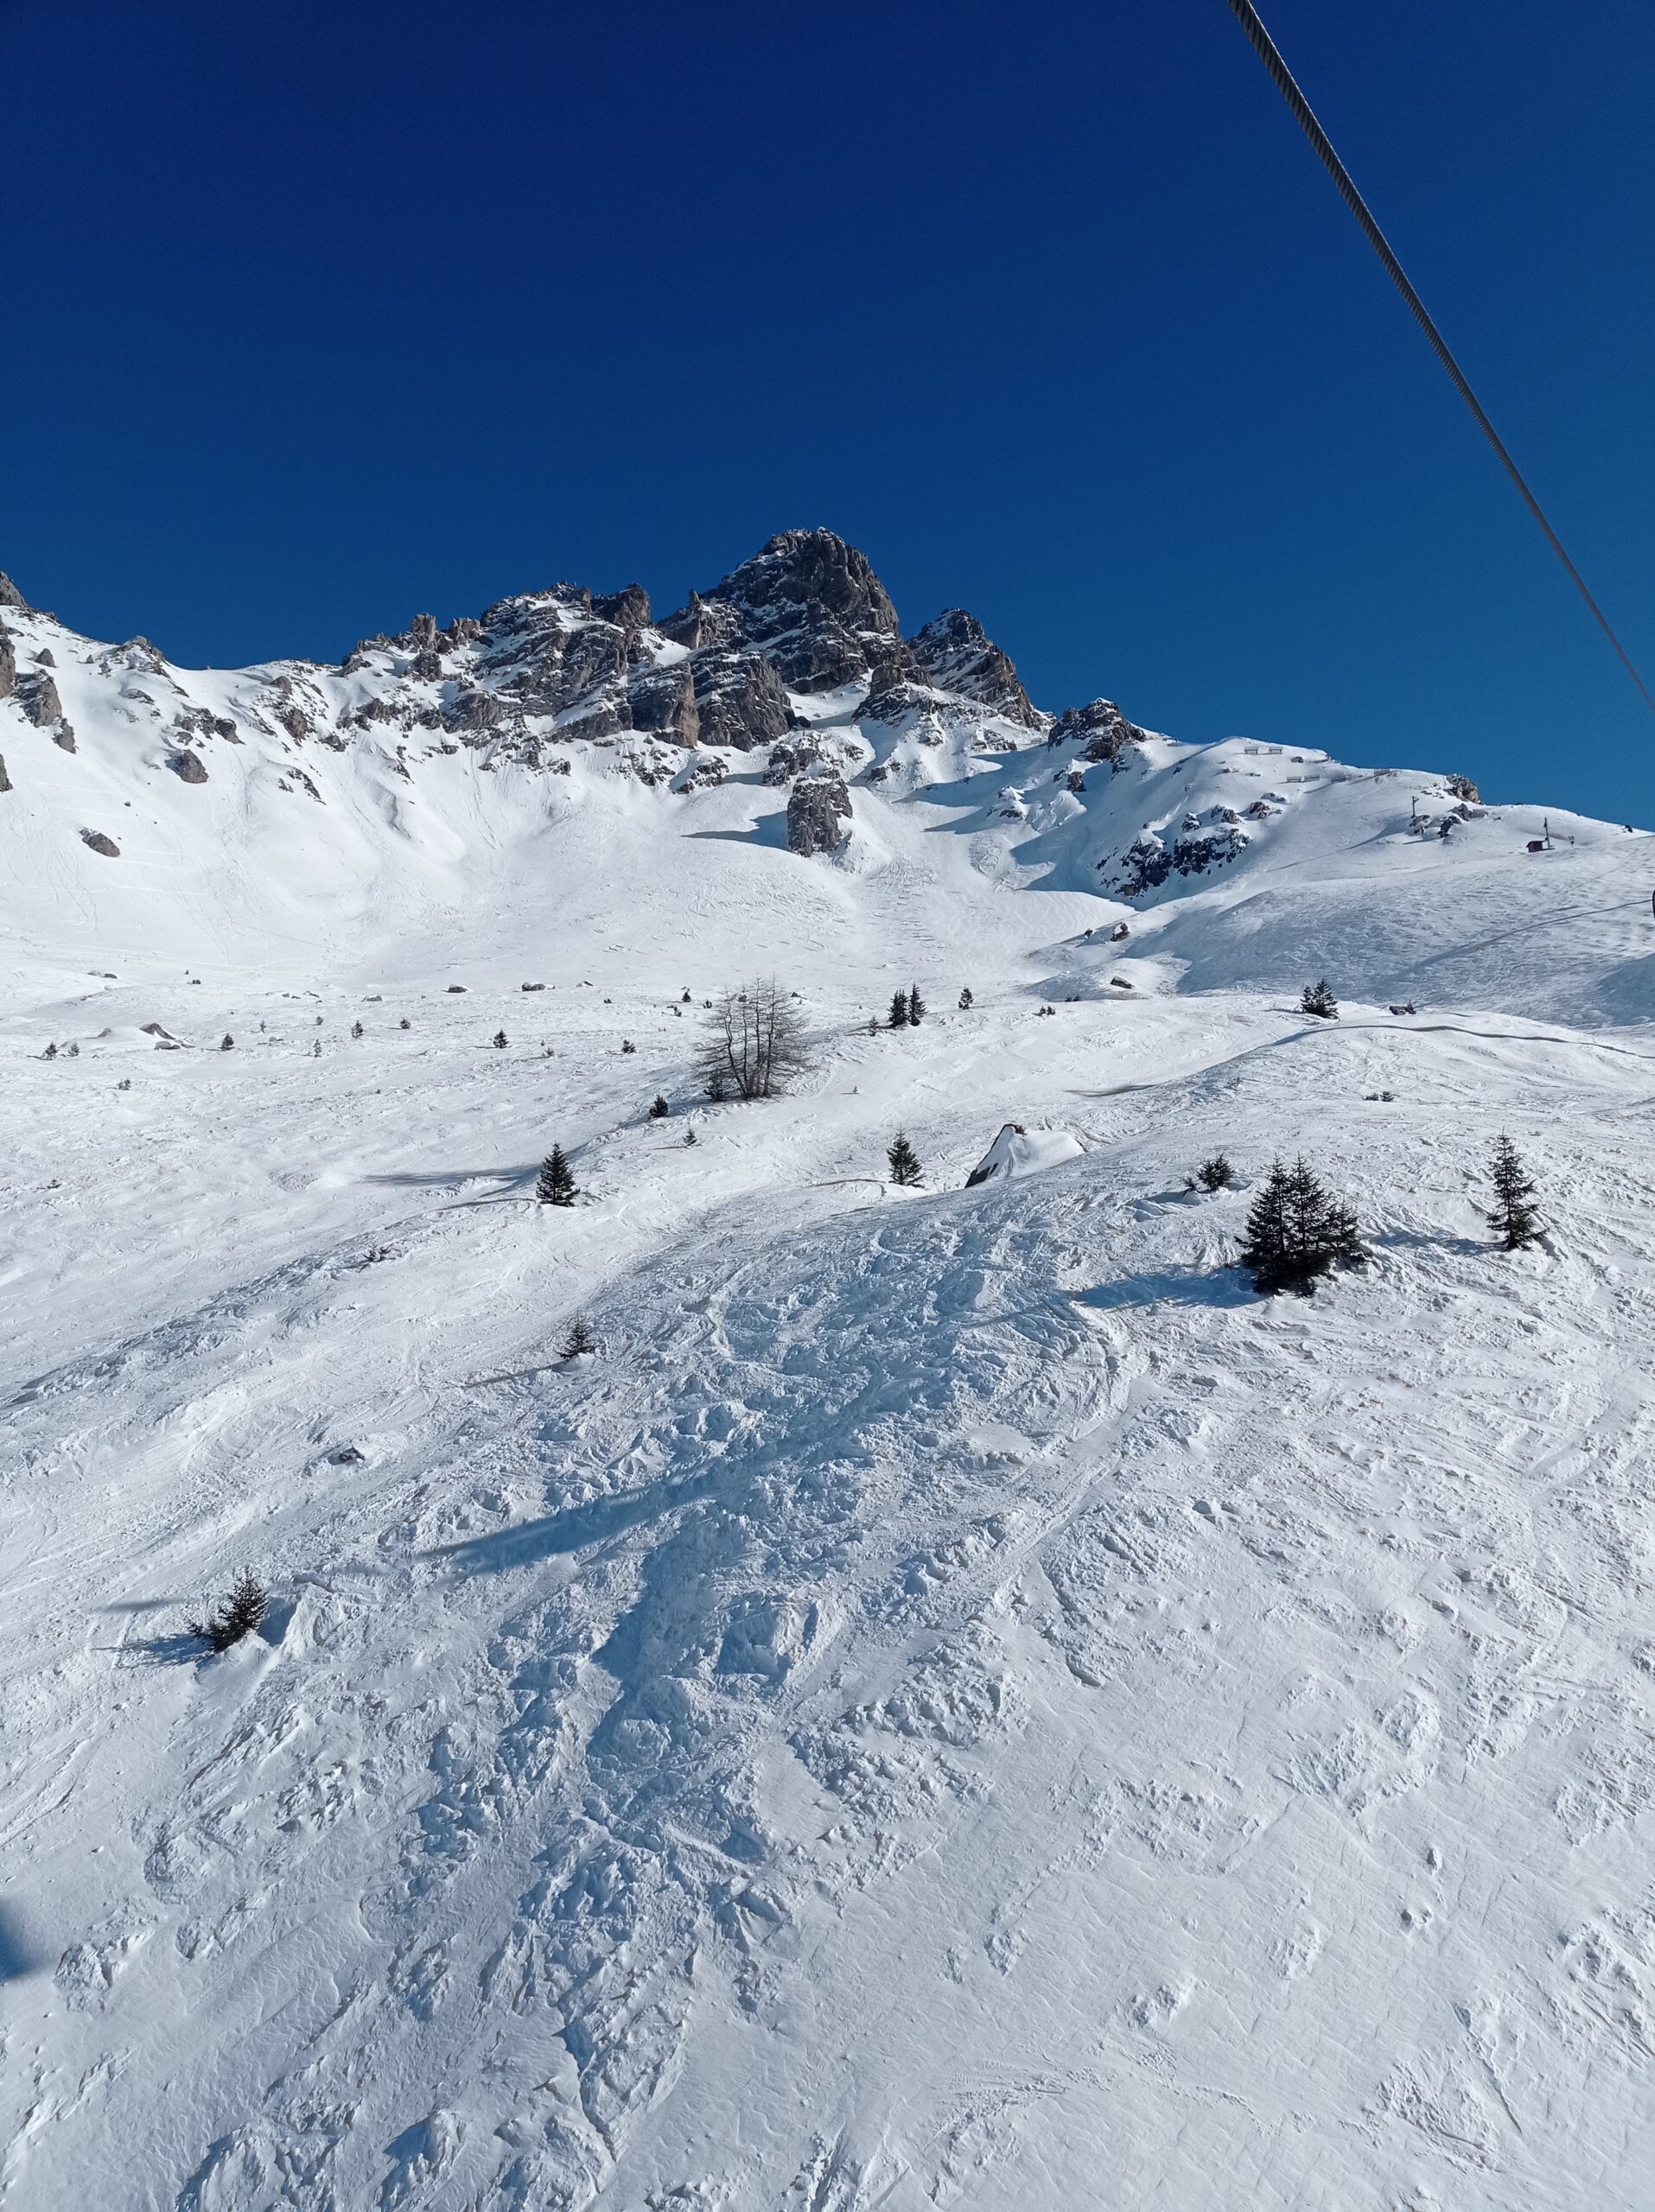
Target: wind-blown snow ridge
[957, 1698]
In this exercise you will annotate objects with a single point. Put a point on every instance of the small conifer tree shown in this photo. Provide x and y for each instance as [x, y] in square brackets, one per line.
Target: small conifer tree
[659, 1110]
[356, 1029]
[1215, 1174]
[1511, 1218]
[965, 999]
[1297, 1232]
[404, 1023]
[580, 1338]
[905, 1162]
[690, 1134]
[226, 1042]
[557, 1186]
[499, 1040]
[1320, 1000]
[238, 1616]
[899, 1009]
[315, 1050]
[916, 1007]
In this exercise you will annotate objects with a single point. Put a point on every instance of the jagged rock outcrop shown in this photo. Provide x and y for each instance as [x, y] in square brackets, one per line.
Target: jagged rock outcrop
[9, 594]
[39, 695]
[101, 843]
[5, 780]
[1102, 728]
[818, 813]
[701, 623]
[955, 653]
[809, 602]
[627, 609]
[1148, 860]
[663, 701]
[8, 666]
[187, 766]
[740, 699]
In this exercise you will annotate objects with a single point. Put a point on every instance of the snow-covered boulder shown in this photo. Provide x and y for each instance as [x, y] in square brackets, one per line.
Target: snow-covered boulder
[1018, 1151]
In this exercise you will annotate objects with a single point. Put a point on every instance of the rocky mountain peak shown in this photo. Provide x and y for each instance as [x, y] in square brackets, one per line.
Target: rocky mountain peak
[809, 602]
[956, 654]
[9, 594]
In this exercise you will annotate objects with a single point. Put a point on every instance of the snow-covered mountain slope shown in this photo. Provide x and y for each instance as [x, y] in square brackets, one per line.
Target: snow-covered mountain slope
[773, 757]
[956, 1702]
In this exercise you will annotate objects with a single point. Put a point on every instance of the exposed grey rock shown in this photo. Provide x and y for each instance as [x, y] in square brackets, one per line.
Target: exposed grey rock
[793, 757]
[187, 766]
[663, 700]
[740, 699]
[38, 693]
[198, 719]
[593, 655]
[422, 629]
[9, 594]
[63, 736]
[426, 667]
[5, 780]
[812, 605]
[46, 658]
[1148, 862]
[818, 813]
[956, 654]
[138, 654]
[629, 610]
[476, 711]
[8, 666]
[703, 622]
[99, 843]
[464, 630]
[1102, 726]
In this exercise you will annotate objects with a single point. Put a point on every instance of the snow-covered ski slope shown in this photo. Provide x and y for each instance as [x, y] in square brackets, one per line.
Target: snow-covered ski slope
[956, 1703]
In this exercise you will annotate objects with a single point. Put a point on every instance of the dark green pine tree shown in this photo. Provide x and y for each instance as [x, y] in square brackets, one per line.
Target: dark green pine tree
[1297, 1232]
[580, 1338]
[1215, 1174]
[499, 1040]
[916, 1007]
[659, 1110]
[557, 1186]
[1511, 1218]
[899, 1009]
[905, 1162]
[1317, 999]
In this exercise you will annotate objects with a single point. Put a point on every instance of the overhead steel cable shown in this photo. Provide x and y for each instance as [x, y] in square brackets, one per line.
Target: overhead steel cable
[1247, 16]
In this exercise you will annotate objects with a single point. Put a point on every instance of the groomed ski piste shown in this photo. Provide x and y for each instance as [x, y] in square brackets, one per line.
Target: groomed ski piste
[956, 1702]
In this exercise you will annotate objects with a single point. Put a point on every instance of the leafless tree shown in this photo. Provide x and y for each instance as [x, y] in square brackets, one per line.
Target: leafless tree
[756, 1042]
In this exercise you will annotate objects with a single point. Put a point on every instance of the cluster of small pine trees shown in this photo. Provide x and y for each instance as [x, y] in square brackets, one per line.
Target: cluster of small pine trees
[1297, 1232]
[908, 1009]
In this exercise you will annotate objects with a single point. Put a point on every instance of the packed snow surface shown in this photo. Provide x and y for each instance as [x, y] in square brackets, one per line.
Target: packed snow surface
[956, 1702]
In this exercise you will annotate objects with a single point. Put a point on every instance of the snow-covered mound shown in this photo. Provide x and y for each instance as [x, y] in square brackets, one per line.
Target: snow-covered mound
[956, 1702]
[1018, 1151]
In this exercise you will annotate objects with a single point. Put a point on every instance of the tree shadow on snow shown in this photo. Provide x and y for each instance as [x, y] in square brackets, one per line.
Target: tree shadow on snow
[574, 1529]
[17, 1958]
[1170, 1287]
[1420, 1240]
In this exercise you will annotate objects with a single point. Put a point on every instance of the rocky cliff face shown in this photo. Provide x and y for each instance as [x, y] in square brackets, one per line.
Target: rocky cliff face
[674, 702]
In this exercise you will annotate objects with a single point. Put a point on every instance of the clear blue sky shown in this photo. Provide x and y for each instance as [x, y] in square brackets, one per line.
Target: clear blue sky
[318, 315]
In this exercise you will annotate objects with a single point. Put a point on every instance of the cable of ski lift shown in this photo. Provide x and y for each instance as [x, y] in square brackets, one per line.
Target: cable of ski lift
[1247, 16]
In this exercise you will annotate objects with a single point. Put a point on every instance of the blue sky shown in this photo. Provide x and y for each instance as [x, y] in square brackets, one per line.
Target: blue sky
[322, 315]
